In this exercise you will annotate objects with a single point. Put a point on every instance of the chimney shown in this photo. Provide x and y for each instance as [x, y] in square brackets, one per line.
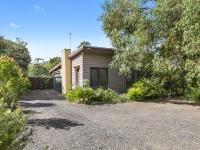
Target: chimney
[66, 70]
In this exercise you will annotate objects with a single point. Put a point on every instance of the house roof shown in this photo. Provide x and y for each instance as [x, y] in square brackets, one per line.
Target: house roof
[55, 68]
[91, 49]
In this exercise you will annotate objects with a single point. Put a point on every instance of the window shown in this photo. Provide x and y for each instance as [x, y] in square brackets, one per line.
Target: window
[99, 77]
[77, 77]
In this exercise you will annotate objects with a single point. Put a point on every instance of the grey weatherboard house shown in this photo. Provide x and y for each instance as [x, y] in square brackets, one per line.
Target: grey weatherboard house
[89, 63]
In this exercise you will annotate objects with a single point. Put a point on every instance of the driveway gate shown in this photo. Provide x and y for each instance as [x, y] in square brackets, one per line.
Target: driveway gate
[57, 83]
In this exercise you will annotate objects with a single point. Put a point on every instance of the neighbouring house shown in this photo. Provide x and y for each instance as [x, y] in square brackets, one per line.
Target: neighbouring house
[55, 71]
[91, 64]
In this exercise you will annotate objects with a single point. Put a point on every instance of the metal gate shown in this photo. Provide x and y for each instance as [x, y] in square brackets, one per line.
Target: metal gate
[57, 83]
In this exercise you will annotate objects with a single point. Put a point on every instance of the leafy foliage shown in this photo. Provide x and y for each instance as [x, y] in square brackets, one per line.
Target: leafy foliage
[11, 127]
[161, 39]
[53, 62]
[16, 50]
[80, 95]
[123, 98]
[145, 89]
[40, 67]
[129, 28]
[12, 83]
[87, 95]
[107, 96]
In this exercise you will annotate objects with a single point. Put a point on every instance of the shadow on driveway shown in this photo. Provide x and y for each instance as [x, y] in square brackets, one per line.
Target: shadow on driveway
[35, 105]
[55, 123]
[30, 112]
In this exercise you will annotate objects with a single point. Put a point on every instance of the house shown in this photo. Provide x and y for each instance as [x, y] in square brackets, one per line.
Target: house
[91, 64]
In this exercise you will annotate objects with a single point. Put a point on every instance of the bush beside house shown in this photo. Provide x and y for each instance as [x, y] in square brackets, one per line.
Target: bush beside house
[145, 88]
[87, 95]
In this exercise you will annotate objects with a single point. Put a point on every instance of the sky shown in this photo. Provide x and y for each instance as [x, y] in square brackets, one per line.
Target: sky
[46, 24]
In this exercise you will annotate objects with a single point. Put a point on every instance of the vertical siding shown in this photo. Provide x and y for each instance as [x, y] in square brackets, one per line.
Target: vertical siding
[77, 61]
[115, 81]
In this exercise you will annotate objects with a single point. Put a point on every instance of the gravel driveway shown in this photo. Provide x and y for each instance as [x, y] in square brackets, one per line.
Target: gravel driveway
[59, 125]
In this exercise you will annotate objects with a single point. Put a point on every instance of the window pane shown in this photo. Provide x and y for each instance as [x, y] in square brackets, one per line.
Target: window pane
[94, 76]
[99, 77]
[103, 75]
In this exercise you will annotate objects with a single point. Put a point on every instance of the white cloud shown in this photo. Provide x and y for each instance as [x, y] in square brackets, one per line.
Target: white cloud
[38, 8]
[14, 25]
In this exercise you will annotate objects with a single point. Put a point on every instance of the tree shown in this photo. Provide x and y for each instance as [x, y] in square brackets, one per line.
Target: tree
[128, 25]
[161, 39]
[17, 50]
[84, 43]
[41, 68]
[53, 62]
[38, 68]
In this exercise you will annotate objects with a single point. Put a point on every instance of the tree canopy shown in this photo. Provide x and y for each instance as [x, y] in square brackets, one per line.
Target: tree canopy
[160, 37]
[17, 50]
[40, 67]
[53, 62]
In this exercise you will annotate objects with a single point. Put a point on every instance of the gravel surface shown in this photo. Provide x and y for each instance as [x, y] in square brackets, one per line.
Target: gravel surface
[58, 125]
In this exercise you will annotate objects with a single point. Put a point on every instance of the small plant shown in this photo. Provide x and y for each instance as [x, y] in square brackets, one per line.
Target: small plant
[110, 96]
[123, 98]
[99, 95]
[86, 83]
[105, 96]
[193, 94]
[80, 95]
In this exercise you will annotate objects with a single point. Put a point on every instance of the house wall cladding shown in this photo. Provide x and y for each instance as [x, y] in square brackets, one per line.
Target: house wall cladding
[115, 81]
[77, 61]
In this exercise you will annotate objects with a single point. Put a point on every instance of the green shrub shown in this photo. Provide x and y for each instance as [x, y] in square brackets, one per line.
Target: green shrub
[193, 94]
[11, 127]
[123, 98]
[105, 96]
[110, 96]
[145, 89]
[80, 95]
[99, 95]
[87, 95]
[12, 83]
